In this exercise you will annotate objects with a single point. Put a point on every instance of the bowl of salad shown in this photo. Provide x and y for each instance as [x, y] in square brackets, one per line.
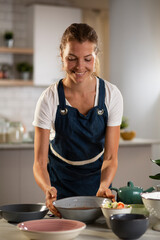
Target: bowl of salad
[112, 208]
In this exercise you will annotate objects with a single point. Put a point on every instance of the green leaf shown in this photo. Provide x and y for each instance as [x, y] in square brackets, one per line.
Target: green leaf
[156, 161]
[157, 176]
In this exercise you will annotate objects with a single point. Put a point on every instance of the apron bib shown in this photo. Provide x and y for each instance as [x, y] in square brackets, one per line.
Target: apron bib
[76, 152]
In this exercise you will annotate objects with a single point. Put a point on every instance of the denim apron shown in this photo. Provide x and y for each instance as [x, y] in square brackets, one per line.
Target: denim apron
[76, 152]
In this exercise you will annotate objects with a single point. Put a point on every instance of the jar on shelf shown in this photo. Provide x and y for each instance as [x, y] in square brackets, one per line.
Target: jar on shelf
[15, 132]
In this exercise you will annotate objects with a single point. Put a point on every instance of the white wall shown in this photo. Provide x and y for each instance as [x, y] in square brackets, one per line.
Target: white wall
[135, 61]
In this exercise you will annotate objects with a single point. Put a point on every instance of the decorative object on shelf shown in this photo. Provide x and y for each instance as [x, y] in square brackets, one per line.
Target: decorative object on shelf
[1, 71]
[126, 135]
[9, 39]
[157, 176]
[25, 69]
[5, 71]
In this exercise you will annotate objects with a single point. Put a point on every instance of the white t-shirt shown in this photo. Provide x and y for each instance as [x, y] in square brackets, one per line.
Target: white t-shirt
[46, 108]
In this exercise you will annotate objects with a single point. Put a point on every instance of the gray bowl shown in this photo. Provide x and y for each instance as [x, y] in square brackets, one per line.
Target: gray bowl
[82, 208]
[129, 226]
[23, 212]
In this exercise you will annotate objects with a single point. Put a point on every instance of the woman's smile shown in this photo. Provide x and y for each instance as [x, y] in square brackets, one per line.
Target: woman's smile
[79, 60]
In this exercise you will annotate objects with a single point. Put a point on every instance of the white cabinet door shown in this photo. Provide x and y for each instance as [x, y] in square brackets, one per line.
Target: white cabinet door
[49, 23]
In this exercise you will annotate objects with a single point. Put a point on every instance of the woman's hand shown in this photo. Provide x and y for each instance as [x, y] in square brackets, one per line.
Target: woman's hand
[51, 195]
[105, 192]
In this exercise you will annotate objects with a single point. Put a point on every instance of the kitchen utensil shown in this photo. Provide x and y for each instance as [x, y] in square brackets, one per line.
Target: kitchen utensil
[130, 194]
[107, 212]
[129, 226]
[83, 208]
[152, 203]
[51, 229]
[23, 212]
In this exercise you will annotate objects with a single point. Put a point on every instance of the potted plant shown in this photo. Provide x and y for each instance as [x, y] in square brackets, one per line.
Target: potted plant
[157, 176]
[124, 123]
[9, 38]
[25, 69]
[126, 135]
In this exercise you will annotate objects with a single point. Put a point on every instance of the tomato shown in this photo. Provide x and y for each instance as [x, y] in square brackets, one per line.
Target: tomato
[120, 205]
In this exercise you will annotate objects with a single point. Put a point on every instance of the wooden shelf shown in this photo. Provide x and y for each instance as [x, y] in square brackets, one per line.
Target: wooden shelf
[15, 82]
[28, 51]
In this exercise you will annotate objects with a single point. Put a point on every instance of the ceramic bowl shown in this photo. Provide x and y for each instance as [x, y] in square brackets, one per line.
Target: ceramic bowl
[82, 208]
[107, 212]
[51, 229]
[23, 212]
[152, 204]
[129, 226]
[126, 135]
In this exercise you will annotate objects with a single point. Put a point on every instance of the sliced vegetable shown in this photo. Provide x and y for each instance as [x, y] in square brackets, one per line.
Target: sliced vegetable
[116, 205]
[120, 205]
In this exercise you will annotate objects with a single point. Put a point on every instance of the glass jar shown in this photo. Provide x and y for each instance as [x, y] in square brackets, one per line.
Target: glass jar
[15, 132]
[3, 130]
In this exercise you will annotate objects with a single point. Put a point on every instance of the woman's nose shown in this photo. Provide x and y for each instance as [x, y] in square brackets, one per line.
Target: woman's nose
[80, 64]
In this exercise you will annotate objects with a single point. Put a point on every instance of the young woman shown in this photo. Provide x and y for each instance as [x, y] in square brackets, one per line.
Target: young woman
[77, 124]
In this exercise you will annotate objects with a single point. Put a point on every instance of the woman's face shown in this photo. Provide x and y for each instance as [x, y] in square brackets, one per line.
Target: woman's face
[79, 60]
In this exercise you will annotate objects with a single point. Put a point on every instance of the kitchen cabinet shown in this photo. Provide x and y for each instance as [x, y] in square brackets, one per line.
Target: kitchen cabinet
[15, 51]
[17, 183]
[46, 26]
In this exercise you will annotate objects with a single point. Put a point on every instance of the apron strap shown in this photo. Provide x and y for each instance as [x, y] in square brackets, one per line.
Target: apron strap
[62, 101]
[101, 99]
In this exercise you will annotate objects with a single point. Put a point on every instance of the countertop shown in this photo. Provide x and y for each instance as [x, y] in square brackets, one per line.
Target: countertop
[122, 143]
[97, 231]
[138, 142]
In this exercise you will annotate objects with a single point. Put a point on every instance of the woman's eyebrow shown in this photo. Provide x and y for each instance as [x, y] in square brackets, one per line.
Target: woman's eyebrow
[71, 54]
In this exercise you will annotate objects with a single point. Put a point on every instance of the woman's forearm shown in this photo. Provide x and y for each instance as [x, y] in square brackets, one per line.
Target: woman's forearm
[41, 176]
[108, 172]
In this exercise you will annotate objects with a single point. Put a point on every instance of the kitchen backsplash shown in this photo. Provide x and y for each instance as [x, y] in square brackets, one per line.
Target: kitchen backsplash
[18, 104]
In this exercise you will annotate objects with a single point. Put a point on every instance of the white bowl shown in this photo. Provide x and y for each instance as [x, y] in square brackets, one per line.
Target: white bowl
[152, 204]
[51, 229]
[107, 212]
[82, 208]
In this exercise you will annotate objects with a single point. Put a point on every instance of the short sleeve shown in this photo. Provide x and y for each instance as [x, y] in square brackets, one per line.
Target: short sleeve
[44, 116]
[114, 103]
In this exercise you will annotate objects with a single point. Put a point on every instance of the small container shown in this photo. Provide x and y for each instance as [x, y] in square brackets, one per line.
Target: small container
[15, 132]
[3, 131]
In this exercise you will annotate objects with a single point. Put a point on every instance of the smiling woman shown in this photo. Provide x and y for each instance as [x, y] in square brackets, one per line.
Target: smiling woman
[77, 124]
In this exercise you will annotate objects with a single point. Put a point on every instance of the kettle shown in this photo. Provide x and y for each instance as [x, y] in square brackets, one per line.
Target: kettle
[130, 194]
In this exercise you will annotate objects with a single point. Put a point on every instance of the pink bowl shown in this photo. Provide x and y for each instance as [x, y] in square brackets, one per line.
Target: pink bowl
[52, 229]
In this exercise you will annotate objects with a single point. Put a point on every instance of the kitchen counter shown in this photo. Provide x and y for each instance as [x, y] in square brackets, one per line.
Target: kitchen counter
[138, 142]
[25, 145]
[122, 143]
[97, 231]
